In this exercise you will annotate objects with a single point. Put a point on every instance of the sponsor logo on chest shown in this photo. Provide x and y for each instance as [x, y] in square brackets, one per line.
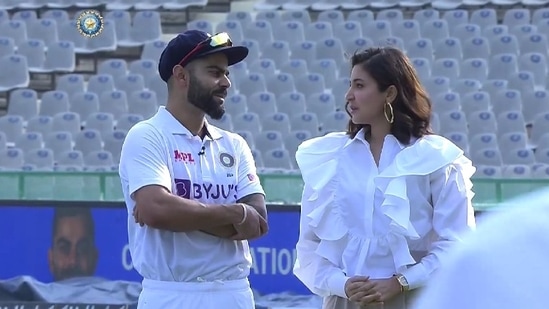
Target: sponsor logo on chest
[185, 157]
[205, 191]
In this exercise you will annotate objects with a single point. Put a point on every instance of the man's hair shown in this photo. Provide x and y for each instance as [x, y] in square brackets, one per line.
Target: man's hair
[66, 212]
[412, 106]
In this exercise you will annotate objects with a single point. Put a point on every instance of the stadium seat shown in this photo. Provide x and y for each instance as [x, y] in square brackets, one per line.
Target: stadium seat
[305, 122]
[267, 140]
[291, 102]
[34, 51]
[29, 141]
[466, 31]
[262, 102]
[114, 102]
[60, 57]
[277, 160]
[321, 104]
[67, 122]
[88, 141]
[84, 104]
[100, 83]
[484, 17]
[276, 122]
[101, 122]
[59, 141]
[280, 83]
[14, 29]
[247, 122]
[263, 66]
[42, 158]
[143, 102]
[296, 67]
[15, 72]
[12, 159]
[24, 103]
[259, 30]
[292, 32]
[40, 124]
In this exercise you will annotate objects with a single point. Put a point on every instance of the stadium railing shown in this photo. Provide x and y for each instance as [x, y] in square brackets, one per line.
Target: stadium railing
[280, 188]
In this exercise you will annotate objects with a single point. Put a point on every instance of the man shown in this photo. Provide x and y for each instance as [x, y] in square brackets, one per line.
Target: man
[502, 265]
[191, 189]
[73, 252]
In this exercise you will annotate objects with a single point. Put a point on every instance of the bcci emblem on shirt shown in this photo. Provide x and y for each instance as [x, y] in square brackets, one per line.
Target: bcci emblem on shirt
[227, 161]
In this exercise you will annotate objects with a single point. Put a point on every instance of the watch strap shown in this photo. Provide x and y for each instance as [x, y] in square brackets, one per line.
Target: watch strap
[404, 286]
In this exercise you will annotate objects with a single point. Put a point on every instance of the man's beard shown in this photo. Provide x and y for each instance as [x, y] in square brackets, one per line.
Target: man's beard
[204, 99]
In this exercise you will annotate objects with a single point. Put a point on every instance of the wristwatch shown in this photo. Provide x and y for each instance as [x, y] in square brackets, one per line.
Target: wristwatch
[403, 282]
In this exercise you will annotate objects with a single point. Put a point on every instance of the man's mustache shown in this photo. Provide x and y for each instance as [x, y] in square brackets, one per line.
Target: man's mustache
[220, 93]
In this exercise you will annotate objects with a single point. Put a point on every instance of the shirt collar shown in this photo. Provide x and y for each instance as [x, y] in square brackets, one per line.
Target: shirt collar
[388, 138]
[173, 125]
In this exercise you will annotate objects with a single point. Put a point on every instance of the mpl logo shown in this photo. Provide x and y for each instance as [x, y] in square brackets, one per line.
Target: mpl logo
[185, 157]
[206, 191]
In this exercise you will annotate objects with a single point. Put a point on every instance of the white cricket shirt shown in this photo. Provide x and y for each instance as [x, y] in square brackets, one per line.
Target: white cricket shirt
[161, 151]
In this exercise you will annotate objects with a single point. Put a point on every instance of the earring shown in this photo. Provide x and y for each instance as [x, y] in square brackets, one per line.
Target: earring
[389, 116]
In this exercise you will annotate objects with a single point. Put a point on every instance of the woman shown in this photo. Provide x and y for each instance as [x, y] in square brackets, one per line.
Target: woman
[383, 201]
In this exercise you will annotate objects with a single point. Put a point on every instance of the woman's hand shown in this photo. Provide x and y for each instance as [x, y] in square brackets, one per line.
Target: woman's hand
[359, 289]
[386, 288]
[366, 291]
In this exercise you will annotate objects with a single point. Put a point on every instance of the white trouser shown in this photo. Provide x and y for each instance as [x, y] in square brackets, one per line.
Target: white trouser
[234, 294]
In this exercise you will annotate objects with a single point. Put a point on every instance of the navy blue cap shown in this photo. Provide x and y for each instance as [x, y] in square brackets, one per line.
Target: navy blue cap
[185, 42]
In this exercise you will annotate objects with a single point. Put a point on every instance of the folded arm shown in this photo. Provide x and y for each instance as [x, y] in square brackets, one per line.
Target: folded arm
[158, 208]
[250, 192]
[453, 215]
[257, 202]
[144, 166]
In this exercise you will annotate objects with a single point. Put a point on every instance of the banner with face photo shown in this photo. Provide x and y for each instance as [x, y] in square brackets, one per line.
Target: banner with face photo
[51, 242]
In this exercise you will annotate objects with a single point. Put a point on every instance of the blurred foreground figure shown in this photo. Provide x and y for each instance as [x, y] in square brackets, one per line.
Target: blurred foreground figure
[503, 265]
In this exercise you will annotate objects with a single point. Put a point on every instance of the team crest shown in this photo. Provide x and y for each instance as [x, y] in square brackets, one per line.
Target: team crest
[226, 159]
[90, 23]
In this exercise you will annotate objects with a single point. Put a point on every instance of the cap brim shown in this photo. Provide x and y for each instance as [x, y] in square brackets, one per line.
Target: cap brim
[234, 54]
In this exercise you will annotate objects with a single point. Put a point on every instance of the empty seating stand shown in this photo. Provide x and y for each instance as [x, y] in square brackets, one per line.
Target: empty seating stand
[484, 70]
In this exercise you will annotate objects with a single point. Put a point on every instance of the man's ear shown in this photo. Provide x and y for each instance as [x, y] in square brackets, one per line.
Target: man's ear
[180, 75]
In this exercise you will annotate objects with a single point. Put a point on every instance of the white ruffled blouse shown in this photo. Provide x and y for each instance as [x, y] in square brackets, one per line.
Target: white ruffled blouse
[358, 218]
